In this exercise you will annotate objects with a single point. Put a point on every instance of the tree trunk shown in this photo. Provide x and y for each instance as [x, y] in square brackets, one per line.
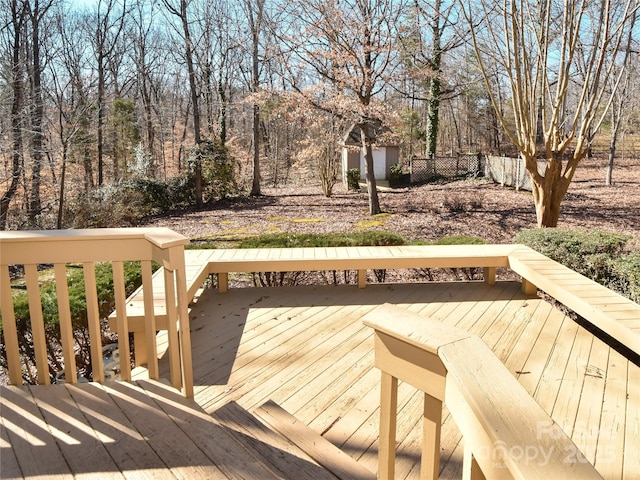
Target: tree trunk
[16, 107]
[222, 113]
[63, 176]
[612, 154]
[255, 186]
[434, 94]
[372, 190]
[100, 127]
[37, 136]
[255, 21]
[548, 192]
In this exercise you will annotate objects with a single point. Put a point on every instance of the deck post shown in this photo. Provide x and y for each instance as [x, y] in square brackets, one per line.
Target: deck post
[140, 355]
[223, 282]
[388, 418]
[490, 275]
[528, 288]
[362, 278]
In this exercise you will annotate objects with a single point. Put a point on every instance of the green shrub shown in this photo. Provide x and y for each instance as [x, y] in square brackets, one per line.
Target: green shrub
[353, 179]
[291, 240]
[604, 257]
[396, 175]
[626, 275]
[460, 240]
[218, 170]
[126, 203]
[78, 308]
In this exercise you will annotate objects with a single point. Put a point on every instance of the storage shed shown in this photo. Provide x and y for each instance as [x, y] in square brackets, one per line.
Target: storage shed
[385, 154]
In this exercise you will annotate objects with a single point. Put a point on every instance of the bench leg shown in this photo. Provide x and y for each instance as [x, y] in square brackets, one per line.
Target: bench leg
[388, 418]
[528, 288]
[362, 278]
[140, 349]
[470, 468]
[223, 282]
[431, 426]
[490, 275]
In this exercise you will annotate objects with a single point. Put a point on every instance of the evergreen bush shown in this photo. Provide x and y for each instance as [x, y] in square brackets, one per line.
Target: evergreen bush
[605, 257]
[353, 179]
[78, 308]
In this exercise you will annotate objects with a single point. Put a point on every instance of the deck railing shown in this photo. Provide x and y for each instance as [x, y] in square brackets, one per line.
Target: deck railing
[87, 248]
[506, 434]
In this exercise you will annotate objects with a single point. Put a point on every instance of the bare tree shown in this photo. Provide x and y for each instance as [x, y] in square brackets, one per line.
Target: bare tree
[430, 39]
[255, 16]
[16, 21]
[37, 12]
[621, 99]
[181, 11]
[350, 49]
[108, 24]
[537, 48]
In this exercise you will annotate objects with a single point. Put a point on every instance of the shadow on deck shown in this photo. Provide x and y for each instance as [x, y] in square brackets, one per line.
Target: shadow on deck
[306, 349]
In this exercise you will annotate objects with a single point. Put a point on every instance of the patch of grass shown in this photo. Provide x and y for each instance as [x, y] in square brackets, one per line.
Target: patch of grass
[290, 240]
[378, 220]
[308, 220]
[453, 240]
[460, 240]
[369, 223]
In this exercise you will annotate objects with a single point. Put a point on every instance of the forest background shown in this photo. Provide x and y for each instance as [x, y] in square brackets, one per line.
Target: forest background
[112, 110]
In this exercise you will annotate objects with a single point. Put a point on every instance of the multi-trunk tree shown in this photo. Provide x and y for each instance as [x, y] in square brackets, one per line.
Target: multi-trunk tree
[557, 59]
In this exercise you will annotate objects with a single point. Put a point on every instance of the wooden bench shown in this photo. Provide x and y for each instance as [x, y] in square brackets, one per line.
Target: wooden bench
[488, 257]
[202, 263]
[609, 311]
[506, 433]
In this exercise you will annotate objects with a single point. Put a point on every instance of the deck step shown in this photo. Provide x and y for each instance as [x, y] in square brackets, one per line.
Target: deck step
[317, 447]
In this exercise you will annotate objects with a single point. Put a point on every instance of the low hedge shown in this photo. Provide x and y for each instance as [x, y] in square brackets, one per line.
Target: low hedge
[611, 259]
[78, 308]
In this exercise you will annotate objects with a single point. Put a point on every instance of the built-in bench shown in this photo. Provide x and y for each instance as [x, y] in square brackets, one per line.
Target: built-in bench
[609, 311]
[506, 433]
[202, 263]
[615, 315]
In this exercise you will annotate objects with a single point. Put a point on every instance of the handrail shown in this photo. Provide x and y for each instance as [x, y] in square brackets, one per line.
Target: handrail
[89, 247]
[506, 433]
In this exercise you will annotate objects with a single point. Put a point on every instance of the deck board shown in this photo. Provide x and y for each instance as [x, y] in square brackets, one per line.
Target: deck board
[331, 389]
[306, 349]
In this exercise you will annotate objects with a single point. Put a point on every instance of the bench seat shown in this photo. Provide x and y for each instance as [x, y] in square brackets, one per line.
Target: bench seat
[506, 433]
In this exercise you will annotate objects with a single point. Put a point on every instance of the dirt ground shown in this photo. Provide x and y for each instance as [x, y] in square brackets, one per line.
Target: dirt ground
[466, 207]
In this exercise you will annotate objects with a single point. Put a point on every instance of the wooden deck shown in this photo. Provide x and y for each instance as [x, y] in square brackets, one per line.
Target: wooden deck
[306, 349]
[141, 430]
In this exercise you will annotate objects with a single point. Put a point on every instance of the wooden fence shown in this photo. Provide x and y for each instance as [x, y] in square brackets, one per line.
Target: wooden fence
[510, 172]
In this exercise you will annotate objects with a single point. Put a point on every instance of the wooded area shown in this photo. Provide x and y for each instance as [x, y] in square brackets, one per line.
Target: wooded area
[194, 100]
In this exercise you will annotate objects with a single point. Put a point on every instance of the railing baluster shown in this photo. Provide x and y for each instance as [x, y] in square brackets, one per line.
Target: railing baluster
[9, 327]
[172, 332]
[184, 324]
[37, 323]
[66, 327]
[86, 247]
[93, 319]
[123, 326]
[150, 322]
